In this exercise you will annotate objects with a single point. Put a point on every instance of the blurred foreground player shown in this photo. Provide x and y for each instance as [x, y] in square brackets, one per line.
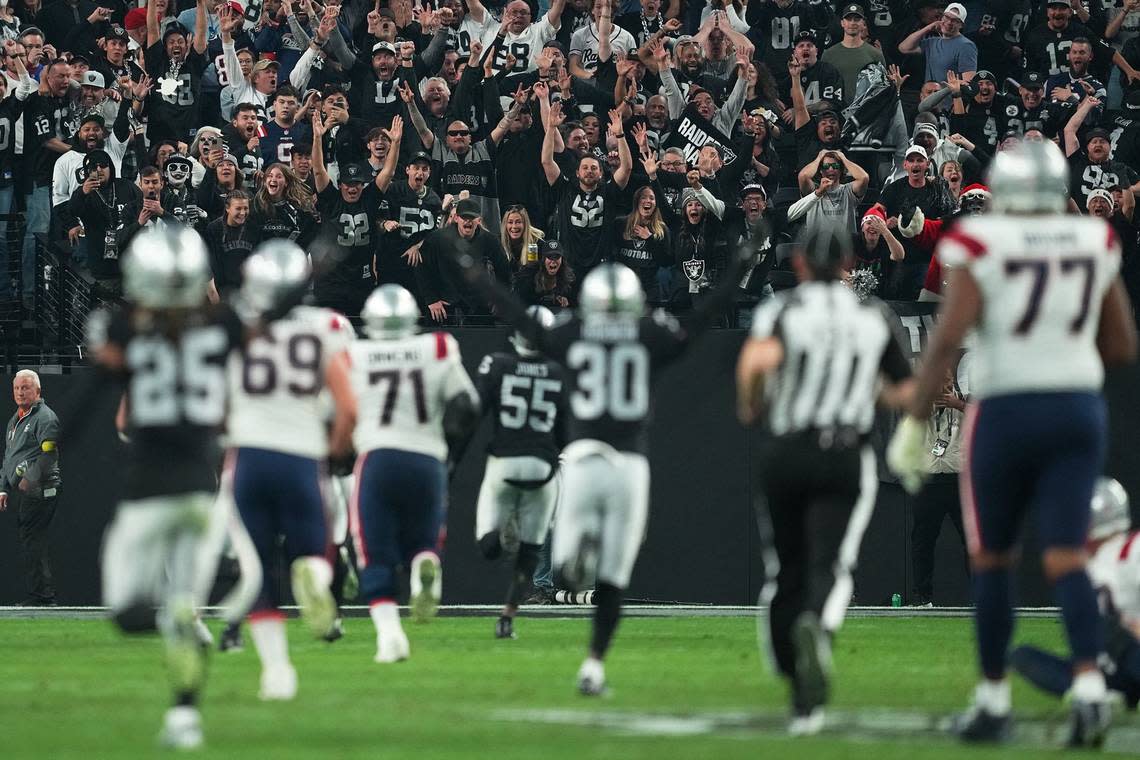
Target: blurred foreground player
[815, 364]
[1041, 291]
[1115, 572]
[613, 351]
[524, 395]
[416, 403]
[170, 351]
[279, 442]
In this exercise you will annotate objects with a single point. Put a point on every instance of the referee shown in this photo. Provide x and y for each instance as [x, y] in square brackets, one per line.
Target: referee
[814, 361]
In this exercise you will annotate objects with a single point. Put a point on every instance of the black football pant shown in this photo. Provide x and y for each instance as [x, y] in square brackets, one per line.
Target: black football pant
[816, 504]
[938, 499]
[33, 518]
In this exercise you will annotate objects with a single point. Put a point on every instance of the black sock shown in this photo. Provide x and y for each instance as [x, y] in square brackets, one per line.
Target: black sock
[340, 572]
[606, 615]
[186, 699]
[525, 564]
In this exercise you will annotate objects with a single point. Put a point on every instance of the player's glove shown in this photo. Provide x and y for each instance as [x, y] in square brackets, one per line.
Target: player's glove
[906, 453]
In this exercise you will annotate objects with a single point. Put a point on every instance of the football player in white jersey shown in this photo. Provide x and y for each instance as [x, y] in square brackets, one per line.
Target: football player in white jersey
[1042, 292]
[279, 444]
[416, 402]
[1115, 572]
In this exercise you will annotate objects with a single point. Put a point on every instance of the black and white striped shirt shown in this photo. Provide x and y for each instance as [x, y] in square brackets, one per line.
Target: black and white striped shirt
[834, 351]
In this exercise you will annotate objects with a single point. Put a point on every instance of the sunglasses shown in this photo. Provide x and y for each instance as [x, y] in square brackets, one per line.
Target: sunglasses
[458, 133]
[830, 166]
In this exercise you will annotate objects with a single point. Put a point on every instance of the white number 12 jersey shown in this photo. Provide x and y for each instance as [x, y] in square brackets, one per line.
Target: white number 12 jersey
[1042, 280]
[402, 388]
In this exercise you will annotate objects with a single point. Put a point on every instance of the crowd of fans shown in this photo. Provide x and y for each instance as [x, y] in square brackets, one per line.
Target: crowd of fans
[547, 137]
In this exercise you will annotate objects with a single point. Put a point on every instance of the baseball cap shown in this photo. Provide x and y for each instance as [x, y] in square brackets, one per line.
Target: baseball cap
[956, 10]
[420, 156]
[175, 28]
[829, 112]
[1132, 101]
[387, 13]
[468, 209]
[1100, 192]
[95, 117]
[117, 32]
[135, 19]
[925, 128]
[853, 10]
[1096, 132]
[1057, 2]
[236, 7]
[76, 58]
[92, 79]
[986, 76]
[807, 36]
[353, 174]
[1033, 80]
[232, 159]
[916, 149]
[95, 159]
[551, 248]
[556, 44]
[383, 46]
[265, 63]
[751, 188]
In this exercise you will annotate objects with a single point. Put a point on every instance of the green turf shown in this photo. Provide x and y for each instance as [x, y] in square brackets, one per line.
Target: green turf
[73, 688]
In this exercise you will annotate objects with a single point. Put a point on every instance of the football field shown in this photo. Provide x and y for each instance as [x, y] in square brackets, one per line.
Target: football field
[681, 686]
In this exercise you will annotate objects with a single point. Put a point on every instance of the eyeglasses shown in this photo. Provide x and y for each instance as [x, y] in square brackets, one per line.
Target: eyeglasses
[458, 133]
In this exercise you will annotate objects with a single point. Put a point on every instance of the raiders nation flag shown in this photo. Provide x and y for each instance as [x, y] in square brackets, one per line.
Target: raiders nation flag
[693, 132]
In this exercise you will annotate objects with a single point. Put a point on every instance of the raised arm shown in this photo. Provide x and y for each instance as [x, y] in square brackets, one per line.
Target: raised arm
[625, 165]
[859, 176]
[911, 43]
[799, 105]
[152, 35]
[427, 137]
[1072, 144]
[395, 133]
[554, 15]
[476, 11]
[201, 40]
[605, 29]
[320, 172]
[805, 178]
[549, 166]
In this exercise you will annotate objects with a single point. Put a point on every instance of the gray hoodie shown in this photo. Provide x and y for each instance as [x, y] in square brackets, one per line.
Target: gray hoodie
[31, 451]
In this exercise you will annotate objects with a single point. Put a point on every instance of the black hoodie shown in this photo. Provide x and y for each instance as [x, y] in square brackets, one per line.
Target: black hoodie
[110, 217]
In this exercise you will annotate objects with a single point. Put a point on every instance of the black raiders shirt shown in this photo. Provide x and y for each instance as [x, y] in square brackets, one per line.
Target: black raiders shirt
[175, 374]
[175, 114]
[348, 232]
[45, 117]
[583, 220]
[11, 108]
[1086, 177]
[526, 401]
[417, 217]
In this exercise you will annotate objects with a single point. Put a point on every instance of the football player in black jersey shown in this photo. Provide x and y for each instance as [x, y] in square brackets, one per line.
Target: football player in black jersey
[524, 395]
[613, 352]
[170, 352]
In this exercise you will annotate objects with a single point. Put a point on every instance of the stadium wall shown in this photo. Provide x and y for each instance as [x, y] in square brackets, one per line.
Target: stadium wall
[702, 543]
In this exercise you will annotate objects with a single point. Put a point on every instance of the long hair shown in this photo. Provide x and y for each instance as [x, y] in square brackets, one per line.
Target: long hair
[296, 191]
[765, 83]
[531, 234]
[656, 223]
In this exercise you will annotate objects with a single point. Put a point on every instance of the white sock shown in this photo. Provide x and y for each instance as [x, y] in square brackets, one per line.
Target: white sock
[385, 616]
[993, 696]
[322, 570]
[1089, 686]
[269, 639]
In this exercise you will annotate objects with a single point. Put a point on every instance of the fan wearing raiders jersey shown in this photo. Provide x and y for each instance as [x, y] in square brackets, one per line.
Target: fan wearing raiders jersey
[176, 69]
[587, 205]
[411, 208]
[524, 394]
[376, 81]
[523, 39]
[346, 241]
[1093, 169]
[612, 352]
[279, 441]
[417, 409]
[813, 366]
[170, 352]
[776, 24]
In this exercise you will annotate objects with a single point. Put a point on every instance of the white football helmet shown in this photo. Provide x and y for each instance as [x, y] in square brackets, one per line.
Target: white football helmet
[274, 268]
[544, 317]
[1109, 508]
[612, 289]
[390, 313]
[1030, 178]
[166, 268]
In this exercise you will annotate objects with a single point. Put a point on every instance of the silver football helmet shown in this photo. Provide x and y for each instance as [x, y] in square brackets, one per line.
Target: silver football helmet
[544, 317]
[612, 289]
[390, 313]
[274, 268]
[1110, 513]
[1030, 178]
[166, 268]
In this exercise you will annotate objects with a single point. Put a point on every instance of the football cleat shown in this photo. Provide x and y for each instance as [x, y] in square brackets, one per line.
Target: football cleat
[979, 726]
[1088, 723]
[181, 728]
[230, 640]
[426, 586]
[311, 580]
[505, 628]
[592, 678]
[278, 683]
[807, 724]
[392, 646]
[335, 631]
[813, 663]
